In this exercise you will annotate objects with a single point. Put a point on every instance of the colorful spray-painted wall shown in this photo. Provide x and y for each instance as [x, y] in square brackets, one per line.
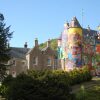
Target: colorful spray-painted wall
[70, 50]
[75, 47]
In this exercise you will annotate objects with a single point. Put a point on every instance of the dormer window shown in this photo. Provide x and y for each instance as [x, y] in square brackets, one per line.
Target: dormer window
[35, 60]
[49, 61]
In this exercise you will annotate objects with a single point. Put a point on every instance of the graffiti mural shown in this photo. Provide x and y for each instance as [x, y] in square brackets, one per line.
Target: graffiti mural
[70, 47]
[77, 45]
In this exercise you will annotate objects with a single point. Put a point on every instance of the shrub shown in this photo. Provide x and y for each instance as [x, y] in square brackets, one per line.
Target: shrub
[23, 88]
[4, 88]
[54, 84]
[44, 85]
[49, 86]
[80, 75]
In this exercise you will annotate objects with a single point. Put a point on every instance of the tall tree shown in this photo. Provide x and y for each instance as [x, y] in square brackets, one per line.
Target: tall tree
[5, 36]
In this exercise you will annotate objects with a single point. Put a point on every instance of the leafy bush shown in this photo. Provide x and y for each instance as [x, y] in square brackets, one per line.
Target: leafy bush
[44, 85]
[80, 75]
[26, 87]
[53, 86]
[4, 88]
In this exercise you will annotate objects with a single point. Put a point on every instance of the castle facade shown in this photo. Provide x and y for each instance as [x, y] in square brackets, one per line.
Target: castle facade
[76, 48]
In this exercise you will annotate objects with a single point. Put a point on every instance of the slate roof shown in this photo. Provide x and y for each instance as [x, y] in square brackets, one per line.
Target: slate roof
[29, 51]
[18, 52]
[74, 23]
[89, 32]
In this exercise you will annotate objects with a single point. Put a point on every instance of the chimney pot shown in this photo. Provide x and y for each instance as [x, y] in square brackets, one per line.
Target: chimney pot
[36, 42]
[25, 45]
[88, 28]
[48, 43]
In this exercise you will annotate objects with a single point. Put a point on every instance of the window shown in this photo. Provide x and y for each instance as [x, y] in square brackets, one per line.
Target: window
[7, 72]
[13, 73]
[49, 62]
[23, 63]
[14, 62]
[35, 60]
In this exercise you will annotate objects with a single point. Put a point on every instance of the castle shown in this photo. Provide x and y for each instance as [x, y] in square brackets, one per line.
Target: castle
[76, 48]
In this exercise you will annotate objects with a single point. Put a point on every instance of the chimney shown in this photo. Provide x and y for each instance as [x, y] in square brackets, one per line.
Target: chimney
[59, 42]
[48, 43]
[25, 45]
[36, 42]
[88, 28]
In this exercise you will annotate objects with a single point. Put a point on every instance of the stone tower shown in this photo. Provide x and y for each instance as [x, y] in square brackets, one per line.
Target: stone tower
[74, 44]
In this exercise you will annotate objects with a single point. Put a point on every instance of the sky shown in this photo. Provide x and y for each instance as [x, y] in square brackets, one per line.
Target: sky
[44, 19]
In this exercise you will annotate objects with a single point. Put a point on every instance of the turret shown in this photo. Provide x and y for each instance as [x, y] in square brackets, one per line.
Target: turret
[74, 43]
[74, 23]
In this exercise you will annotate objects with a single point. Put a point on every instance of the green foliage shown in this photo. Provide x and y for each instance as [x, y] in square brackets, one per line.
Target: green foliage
[93, 93]
[4, 88]
[80, 75]
[8, 80]
[53, 86]
[5, 36]
[53, 43]
[23, 88]
[81, 94]
[44, 85]
[97, 57]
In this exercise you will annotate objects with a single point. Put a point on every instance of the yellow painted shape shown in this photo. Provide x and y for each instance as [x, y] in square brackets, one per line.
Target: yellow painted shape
[75, 30]
[97, 44]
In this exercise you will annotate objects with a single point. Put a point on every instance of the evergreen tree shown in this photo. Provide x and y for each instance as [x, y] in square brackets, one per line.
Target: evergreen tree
[5, 36]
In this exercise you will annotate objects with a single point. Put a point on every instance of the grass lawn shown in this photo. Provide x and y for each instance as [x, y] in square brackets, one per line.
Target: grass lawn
[89, 90]
[93, 93]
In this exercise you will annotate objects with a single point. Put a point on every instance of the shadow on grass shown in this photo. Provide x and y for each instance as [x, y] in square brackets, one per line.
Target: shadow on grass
[89, 91]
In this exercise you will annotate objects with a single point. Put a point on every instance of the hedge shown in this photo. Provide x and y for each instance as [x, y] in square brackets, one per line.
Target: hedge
[44, 85]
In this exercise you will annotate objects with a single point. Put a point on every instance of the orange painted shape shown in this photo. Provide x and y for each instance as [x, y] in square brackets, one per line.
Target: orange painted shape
[98, 48]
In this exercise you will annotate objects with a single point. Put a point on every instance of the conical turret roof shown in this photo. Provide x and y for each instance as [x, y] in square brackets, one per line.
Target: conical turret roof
[74, 23]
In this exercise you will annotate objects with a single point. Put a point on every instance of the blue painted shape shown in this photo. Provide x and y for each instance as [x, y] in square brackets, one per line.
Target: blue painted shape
[70, 56]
